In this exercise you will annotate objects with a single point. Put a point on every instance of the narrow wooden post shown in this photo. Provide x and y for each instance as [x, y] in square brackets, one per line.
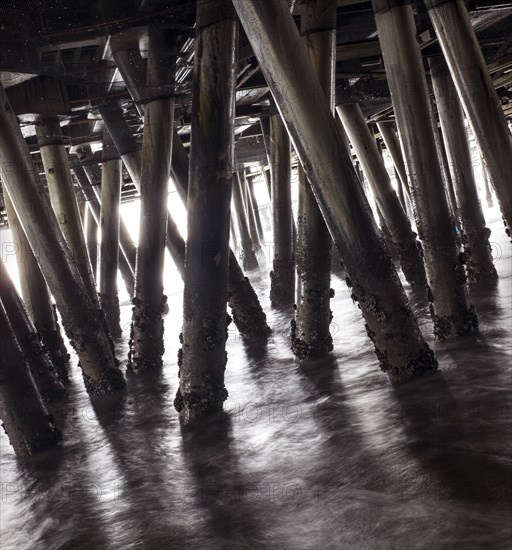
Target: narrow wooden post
[131, 155]
[146, 343]
[203, 355]
[24, 417]
[282, 276]
[36, 296]
[246, 309]
[109, 248]
[282, 55]
[39, 362]
[387, 131]
[310, 333]
[249, 259]
[487, 184]
[451, 311]
[475, 235]
[91, 235]
[82, 319]
[395, 219]
[255, 209]
[249, 212]
[127, 247]
[63, 197]
[477, 94]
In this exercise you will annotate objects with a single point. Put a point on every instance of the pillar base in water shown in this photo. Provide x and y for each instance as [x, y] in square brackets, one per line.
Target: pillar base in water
[148, 329]
[316, 347]
[249, 317]
[282, 279]
[425, 364]
[249, 260]
[478, 256]
[194, 406]
[447, 327]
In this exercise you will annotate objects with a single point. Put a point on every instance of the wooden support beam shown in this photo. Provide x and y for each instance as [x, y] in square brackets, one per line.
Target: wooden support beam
[23, 414]
[394, 217]
[38, 360]
[475, 235]
[282, 55]
[146, 343]
[36, 296]
[203, 354]
[63, 197]
[451, 311]
[310, 332]
[82, 319]
[282, 276]
[109, 248]
[476, 90]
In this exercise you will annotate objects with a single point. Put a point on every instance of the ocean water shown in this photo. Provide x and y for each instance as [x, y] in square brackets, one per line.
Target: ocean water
[320, 456]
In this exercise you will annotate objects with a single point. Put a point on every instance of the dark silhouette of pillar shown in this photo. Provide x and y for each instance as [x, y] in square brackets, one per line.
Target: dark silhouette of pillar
[249, 212]
[203, 354]
[402, 237]
[109, 247]
[246, 310]
[36, 297]
[62, 195]
[255, 209]
[81, 317]
[282, 276]
[310, 333]
[39, 362]
[91, 236]
[476, 90]
[127, 248]
[475, 235]
[24, 416]
[451, 311]
[283, 58]
[248, 250]
[146, 342]
[487, 184]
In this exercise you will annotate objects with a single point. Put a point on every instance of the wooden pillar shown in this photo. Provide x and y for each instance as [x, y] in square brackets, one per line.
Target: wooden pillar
[127, 248]
[392, 143]
[36, 296]
[131, 155]
[249, 212]
[111, 175]
[487, 184]
[63, 197]
[449, 304]
[146, 343]
[246, 310]
[395, 219]
[310, 333]
[24, 417]
[39, 362]
[477, 94]
[91, 236]
[475, 235]
[448, 184]
[282, 55]
[203, 354]
[249, 260]
[282, 276]
[81, 317]
[255, 209]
